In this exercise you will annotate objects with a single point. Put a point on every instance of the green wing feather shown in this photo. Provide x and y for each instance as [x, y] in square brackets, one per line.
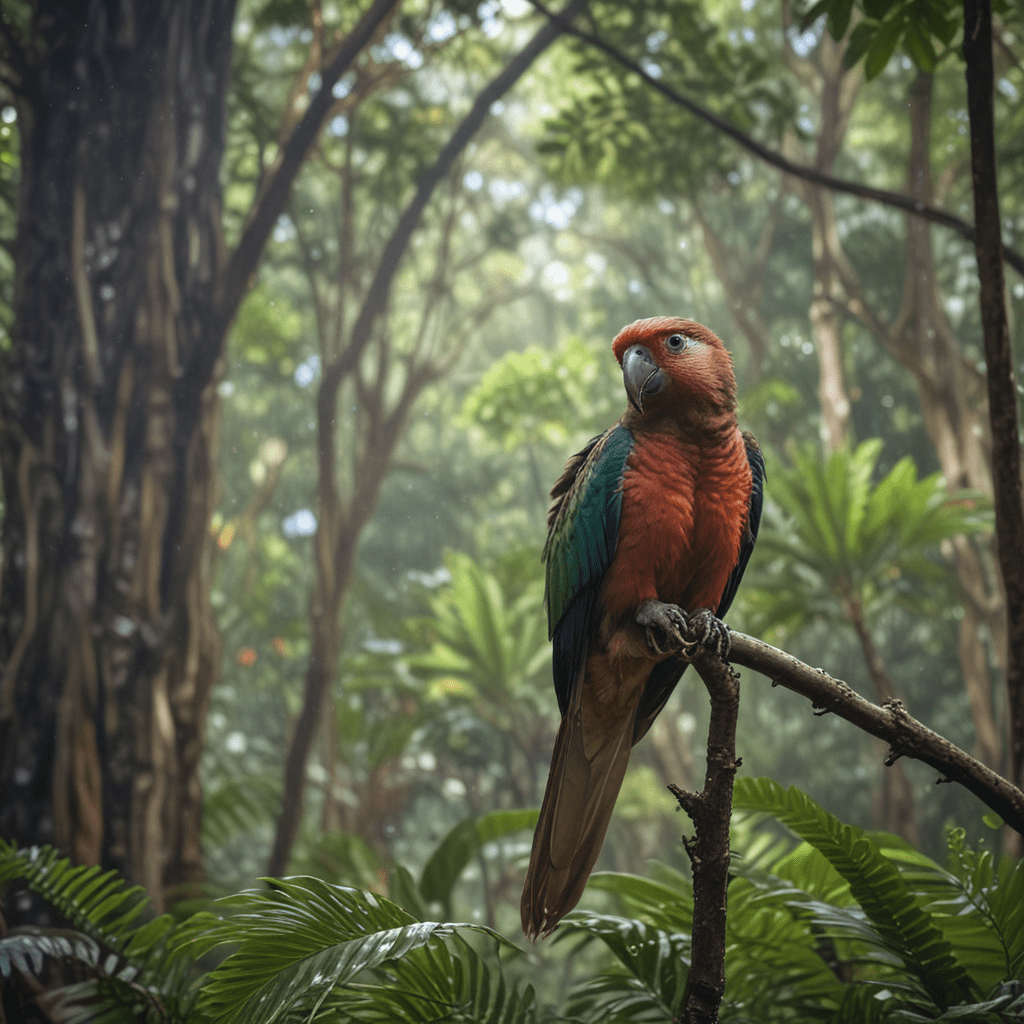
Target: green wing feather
[582, 534]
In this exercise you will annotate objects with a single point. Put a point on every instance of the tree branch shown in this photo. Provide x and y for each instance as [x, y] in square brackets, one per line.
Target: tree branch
[769, 156]
[243, 261]
[711, 811]
[907, 737]
[380, 288]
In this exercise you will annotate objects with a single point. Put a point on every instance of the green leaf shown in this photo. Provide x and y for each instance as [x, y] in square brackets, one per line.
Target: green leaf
[657, 965]
[814, 13]
[918, 45]
[297, 944]
[839, 17]
[860, 39]
[878, 9]
[882, 46]
[900, 918]
[461, 845]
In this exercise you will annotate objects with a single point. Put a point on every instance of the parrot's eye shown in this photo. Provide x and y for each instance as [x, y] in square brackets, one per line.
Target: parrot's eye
[676, 343]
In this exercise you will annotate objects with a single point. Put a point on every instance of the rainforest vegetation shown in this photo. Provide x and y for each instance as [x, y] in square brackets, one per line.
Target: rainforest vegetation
[303, 306]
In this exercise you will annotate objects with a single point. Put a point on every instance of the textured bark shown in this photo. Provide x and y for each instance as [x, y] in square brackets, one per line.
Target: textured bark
[906, 736]
[711, 813]
[108, 423]
[999, 376]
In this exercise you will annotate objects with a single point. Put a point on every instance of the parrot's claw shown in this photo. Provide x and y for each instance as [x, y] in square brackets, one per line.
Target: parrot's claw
[669, 630]
[665, 626]
[710, 632]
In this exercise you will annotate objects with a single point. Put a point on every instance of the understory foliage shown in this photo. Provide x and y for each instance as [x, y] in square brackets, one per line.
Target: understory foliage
[826, 923]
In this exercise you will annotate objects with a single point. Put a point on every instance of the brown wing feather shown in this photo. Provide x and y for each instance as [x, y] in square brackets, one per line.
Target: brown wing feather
[587, 767]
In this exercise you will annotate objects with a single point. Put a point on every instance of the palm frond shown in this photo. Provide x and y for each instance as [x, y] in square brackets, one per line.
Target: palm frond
[656, 967]
[297, 945]
[124, 959]
[899, 915]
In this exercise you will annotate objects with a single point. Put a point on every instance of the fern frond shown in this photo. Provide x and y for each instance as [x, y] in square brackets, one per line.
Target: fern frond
[436, 983]
[99, 903]
[125, 959]
[897, 914]
[298, 944]
[657, 965]
[26, 950]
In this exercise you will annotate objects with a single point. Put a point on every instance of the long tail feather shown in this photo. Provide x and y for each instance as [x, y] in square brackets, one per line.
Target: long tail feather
[587, 767]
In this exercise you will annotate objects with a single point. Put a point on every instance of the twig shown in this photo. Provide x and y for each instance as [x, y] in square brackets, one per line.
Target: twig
[913, 206]
[907, 737]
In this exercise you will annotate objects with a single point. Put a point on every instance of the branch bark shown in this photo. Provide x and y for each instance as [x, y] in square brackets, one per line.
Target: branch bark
[907, 737]
[711, 811]
[913, 206]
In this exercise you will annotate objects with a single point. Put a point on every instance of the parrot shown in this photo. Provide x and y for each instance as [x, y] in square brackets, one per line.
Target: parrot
[649, 532]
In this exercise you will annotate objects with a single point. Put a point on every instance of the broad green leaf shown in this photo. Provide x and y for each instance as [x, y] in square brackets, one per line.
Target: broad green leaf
[882, 46]
[462, 844]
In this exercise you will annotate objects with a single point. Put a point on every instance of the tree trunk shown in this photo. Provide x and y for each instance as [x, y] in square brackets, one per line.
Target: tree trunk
[108, 429]
[340, 522]
[951, 392]
[838, 90]
[999, 375]
[955, 416]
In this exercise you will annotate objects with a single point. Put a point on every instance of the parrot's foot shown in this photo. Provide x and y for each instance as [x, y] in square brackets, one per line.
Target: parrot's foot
[710, 632]
[665, 626]
[669, 630]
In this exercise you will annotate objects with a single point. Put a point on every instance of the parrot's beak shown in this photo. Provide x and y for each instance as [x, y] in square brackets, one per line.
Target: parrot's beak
[641, 375]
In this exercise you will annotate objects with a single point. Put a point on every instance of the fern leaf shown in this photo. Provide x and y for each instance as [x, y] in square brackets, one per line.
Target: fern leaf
[100, 904]
[899, 917]
[657, 965]
[298, 944]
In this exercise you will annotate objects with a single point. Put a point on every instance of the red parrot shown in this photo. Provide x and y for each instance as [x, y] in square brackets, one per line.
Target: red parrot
[651, 522]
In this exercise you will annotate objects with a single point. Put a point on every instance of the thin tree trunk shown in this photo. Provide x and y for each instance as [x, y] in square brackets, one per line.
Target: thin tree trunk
[954, 413]
[953, 406]
[898, 809]
[838, 89]
[1002, 393]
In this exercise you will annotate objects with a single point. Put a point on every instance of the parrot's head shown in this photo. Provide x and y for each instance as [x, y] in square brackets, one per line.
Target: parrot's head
[674, 365]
